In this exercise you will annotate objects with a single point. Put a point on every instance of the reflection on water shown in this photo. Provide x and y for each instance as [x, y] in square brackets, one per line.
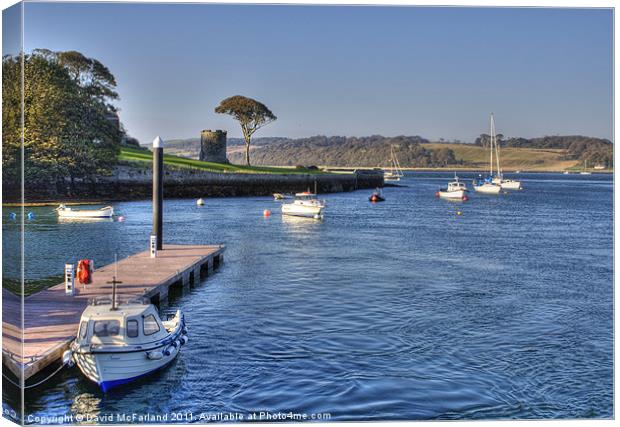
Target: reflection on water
[399, 310]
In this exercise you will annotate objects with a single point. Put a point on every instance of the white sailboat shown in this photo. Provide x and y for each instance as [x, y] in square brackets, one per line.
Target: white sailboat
[394, 172]
[487, 186]
[585, 169]
[505, 184]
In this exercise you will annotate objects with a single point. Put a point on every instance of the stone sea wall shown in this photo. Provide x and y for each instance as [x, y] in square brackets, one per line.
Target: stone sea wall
[130, 183]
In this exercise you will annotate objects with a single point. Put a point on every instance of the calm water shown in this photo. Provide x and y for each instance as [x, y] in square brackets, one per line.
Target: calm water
[403, 310]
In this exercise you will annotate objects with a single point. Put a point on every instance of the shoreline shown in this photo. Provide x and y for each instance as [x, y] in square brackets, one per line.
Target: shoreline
[208, 184]
[127, 184]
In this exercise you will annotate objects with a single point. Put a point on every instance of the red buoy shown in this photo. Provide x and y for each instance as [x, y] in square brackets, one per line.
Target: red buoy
[266, 213]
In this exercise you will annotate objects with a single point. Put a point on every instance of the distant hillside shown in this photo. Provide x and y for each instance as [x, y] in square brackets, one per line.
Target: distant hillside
[544, 153]
[190, 147]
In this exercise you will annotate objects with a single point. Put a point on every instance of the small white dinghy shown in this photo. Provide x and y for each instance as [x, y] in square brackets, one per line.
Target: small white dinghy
[66, 212]
[305, 204]
[119, 343]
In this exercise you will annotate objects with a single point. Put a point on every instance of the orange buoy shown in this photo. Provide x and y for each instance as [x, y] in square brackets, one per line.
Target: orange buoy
[266, 213]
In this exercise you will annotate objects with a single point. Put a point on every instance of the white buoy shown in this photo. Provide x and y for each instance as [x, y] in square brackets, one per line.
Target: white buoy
[200, 202]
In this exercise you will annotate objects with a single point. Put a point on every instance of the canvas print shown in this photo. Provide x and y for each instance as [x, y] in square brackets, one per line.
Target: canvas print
[306, 213]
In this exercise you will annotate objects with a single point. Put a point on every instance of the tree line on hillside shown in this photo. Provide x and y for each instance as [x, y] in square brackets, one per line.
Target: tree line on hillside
[595, 151]
[71, 128]
[371, 151]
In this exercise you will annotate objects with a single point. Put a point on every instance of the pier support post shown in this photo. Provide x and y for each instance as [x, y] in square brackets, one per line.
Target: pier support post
[158, 190]
[196, 276]
[163, 298]
[185, 281]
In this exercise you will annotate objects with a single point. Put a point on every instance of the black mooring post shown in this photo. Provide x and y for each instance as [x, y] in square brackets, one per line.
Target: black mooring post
[158, 190]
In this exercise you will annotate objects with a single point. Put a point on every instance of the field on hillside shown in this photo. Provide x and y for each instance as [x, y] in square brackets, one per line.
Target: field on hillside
[524, 159]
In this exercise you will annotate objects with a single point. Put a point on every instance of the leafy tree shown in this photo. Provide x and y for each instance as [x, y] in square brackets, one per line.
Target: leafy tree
[251, 115]
[67, 130]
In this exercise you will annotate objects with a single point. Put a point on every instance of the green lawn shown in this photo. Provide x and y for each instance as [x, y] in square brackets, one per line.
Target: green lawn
[137, 155]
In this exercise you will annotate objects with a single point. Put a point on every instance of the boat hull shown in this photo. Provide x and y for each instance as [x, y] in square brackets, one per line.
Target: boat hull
[488, 189]
[109, 370]
[99, 213]
[302, 210]
[511, 185]
[458, 194]
[507, 184]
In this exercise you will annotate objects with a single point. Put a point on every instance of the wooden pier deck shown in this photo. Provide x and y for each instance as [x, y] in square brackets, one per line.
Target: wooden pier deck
[51, 317]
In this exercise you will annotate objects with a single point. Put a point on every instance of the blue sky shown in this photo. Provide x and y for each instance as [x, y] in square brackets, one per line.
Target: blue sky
[434, 72]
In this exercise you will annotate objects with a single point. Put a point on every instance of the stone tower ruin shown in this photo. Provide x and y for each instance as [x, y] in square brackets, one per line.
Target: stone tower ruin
[213, 146]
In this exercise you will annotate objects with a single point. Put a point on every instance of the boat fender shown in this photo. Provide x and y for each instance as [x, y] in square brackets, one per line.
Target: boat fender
[184, 339]
[184, 330]
[465, 198]
[177, 344]
[155, 355]
[67, 358]
[437, 194]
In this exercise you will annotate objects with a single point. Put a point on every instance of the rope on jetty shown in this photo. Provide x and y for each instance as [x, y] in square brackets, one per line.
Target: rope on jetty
[35, 384]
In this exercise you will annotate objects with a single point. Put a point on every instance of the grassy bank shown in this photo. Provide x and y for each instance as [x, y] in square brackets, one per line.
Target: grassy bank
[137, 155]
[524, 159]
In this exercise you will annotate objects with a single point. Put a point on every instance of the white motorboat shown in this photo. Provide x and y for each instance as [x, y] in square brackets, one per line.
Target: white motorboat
[394, 172]
[66, 212]
[305, 204]
[200, 202]
[455, 190]
[119, 343]
[566, 173]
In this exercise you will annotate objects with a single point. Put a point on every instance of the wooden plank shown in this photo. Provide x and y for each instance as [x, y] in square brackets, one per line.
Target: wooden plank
[51, 317]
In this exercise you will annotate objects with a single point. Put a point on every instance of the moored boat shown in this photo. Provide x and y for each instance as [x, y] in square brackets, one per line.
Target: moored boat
[487, 187]
[507, 184]
[119, 343]
[394, 172]
[455, 190]
[67, 212]
[305, 204]
[492, 184]
[377, 196]
[585, 169]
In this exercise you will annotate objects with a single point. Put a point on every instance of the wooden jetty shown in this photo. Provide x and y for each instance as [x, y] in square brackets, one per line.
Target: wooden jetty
[51, 317]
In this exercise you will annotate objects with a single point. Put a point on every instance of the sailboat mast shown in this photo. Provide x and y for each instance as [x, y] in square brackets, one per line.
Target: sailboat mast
[491, 148]
[499, 170]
